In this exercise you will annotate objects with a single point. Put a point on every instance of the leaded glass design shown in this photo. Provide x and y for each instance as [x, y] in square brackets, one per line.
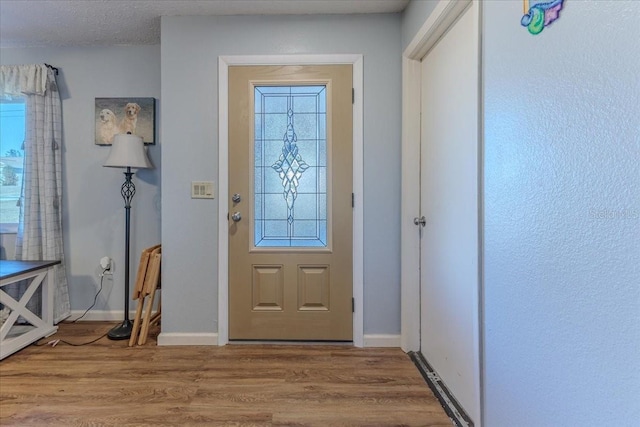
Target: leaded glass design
[290, 166]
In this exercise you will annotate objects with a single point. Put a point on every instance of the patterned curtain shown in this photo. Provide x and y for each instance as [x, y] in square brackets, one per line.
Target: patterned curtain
[40, 226]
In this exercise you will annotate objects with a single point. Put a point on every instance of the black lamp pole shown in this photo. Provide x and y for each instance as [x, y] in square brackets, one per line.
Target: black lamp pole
[128, 189]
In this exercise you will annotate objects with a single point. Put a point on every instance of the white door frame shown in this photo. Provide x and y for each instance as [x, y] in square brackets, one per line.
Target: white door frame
[224, 62]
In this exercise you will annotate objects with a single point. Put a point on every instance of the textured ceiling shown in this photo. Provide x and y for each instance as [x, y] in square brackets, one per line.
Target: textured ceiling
[31, 23]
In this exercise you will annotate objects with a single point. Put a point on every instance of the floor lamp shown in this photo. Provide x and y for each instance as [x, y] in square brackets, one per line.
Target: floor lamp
[127, 151]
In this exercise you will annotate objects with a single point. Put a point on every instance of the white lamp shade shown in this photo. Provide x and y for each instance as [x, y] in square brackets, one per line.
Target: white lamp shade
[128, 151]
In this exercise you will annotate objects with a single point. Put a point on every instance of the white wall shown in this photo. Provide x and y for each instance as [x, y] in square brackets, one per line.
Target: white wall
[562, 233]
[93, 210]
[190, 50]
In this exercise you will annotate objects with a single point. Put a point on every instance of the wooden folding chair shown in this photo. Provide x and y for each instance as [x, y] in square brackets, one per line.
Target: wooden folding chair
[151, 285]
[144, 276]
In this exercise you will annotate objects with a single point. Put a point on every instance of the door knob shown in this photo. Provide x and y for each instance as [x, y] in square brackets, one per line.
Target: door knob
[236, 217]
[236, 198]
[420, 221]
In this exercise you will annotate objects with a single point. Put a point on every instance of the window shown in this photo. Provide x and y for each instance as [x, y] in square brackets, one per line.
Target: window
[12, 132]
[290, 166]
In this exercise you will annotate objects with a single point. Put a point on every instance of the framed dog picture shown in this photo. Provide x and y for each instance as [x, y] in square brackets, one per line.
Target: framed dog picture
[123, 115]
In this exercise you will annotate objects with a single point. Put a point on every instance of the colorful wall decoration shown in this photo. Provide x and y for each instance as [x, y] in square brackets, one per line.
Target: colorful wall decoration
[540, 13]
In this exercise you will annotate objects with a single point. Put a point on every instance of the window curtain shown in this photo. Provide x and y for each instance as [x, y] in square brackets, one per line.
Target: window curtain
[40, 226]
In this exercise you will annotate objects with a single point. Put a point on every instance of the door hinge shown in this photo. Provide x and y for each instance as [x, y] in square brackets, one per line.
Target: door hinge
[353, 305]
[353, 200]
[353, 95]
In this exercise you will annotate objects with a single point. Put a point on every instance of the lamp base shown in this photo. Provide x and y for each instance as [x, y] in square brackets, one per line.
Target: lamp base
[121, 332]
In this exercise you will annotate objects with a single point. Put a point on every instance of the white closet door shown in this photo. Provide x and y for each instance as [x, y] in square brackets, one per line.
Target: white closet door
[449, 203]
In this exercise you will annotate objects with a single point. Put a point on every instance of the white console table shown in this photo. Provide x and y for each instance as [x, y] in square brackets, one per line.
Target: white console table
[14, 337]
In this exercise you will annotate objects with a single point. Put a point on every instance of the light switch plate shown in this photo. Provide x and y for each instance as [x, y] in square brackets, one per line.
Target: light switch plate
[201, 189]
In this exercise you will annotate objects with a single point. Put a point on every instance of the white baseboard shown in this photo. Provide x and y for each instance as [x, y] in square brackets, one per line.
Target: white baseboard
[100, 315]
[186, 338]
[381, 340]
[208, 338]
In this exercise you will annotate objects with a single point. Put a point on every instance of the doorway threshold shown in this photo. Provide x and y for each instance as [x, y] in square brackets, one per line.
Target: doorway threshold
[283, 343]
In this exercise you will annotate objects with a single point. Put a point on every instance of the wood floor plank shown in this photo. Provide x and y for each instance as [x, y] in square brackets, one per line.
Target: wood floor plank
[108, 383]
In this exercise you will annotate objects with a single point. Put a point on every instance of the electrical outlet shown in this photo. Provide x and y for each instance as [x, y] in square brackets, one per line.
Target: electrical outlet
[105, 263]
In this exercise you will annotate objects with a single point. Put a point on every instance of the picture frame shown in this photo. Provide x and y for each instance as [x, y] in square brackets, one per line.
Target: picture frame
[123, 115]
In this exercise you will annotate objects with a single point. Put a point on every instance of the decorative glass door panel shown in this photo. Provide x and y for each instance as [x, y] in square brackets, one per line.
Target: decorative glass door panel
[290, 166]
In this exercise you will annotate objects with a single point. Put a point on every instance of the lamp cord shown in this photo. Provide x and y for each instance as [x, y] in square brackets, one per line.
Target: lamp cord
[94, 299]
[54, 343]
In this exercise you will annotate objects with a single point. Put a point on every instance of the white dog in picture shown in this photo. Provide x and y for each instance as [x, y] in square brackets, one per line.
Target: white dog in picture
[108, 126]
[128, 123]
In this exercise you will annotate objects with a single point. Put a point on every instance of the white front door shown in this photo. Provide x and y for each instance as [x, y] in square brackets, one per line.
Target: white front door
[449, 203]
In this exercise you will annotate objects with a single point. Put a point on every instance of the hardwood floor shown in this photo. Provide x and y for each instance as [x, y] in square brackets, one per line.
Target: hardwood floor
[110, 384]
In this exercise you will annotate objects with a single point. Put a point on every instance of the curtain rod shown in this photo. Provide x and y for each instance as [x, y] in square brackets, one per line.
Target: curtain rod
[55, 70]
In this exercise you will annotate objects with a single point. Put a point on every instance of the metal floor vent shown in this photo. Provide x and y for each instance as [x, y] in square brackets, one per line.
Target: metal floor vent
[453, 409]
